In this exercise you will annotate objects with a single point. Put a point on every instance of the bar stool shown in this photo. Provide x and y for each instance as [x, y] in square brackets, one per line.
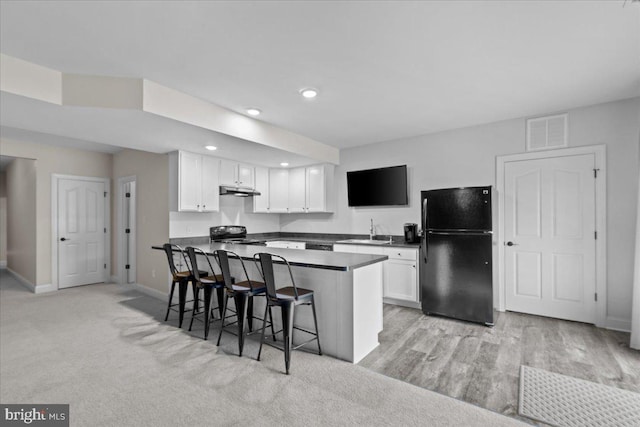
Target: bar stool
[182, 278]
[208, 282]
[286, 298]
[242, 293]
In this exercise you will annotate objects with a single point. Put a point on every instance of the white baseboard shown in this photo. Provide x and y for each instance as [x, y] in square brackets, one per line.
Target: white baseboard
[409, 304]
[41, 289]
[24, 282]
[3, 264]
[148, 291]
[36, 289]
[617, 324]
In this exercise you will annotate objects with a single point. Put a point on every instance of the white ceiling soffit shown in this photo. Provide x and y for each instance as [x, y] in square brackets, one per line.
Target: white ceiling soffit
[131, 95]
[47, 122]
[385, 69]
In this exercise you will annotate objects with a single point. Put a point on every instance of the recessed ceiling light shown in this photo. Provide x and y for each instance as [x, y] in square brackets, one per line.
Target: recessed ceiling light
[284, 164]
[211, 147]
[253, 111]
[309, 92]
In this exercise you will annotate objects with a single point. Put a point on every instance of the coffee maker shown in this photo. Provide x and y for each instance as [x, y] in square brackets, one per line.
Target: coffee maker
[411, 233]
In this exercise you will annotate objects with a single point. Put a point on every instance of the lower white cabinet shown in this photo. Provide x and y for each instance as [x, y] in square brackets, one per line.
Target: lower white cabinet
[400, 271]
[286, 244]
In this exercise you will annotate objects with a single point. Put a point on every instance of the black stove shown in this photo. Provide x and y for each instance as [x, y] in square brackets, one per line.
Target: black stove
[232, 234]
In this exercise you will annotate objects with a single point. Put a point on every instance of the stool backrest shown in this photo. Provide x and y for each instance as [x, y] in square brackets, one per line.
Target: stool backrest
[193, 268]
[222, 256]
[195, 271]
[169, 250]
[266, 264]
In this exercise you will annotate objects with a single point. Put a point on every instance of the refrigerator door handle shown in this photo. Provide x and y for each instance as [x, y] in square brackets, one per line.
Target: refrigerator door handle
[425, 227]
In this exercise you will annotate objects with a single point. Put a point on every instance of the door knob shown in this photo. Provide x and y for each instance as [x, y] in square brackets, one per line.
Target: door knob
[511, 244]
[63, 239]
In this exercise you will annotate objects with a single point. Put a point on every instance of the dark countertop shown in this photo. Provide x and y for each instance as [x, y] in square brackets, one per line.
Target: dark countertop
[318, 238]
[326, 260]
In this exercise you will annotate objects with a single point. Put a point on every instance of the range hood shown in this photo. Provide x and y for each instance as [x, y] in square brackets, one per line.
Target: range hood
[227, 190]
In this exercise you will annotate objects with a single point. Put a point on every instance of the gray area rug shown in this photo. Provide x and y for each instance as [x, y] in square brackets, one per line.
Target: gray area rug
[105, 350]
[560, 400]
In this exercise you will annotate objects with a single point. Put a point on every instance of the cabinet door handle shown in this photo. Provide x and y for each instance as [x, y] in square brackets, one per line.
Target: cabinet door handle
[204, 206]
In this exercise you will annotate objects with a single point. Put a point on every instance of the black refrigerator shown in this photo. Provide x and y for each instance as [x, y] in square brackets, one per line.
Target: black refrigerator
[456, 250]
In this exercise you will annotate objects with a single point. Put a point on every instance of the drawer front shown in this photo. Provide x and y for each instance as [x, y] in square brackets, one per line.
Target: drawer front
[345, 248]
[371, 250]
[401, 253]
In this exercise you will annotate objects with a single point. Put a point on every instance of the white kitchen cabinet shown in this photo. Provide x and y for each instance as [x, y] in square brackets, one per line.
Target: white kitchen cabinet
[301, 190]
[235, 174]
[278, 190]
[261, 202]
[400, 271]
[319, 188]
[194, 182]
[297, 191]
[401, 280]
[286, 244]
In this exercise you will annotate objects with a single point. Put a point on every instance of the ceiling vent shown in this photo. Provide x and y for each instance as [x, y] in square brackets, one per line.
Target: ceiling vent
[544, 133]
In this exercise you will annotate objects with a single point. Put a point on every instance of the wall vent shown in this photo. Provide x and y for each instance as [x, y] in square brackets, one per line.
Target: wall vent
[544, 133]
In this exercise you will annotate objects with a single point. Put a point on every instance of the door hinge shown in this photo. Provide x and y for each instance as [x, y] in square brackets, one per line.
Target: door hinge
[105, 229]
[127, 230]
[595, 172]
[127, 195]
[105, 266]
[595, 296]
[595, 235]
[126, 267]
[105, 194]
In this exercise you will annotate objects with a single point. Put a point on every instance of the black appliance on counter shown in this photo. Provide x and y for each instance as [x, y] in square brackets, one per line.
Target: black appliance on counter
[232, 234]
[456, 254]
[411, 233]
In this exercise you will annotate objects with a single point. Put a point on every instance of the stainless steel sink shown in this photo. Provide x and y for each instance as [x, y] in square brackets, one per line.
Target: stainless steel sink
[365, 242]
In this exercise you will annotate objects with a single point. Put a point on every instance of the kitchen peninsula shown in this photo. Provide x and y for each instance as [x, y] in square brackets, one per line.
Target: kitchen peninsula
[348, 293]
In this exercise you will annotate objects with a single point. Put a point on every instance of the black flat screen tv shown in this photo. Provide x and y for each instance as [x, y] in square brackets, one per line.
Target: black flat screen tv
[378, 187]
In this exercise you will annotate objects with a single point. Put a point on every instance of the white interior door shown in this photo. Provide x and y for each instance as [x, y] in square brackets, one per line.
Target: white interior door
[550, 266]
[81, 232]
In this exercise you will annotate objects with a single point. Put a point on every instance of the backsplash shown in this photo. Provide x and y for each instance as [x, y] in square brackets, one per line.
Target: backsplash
[233, 211]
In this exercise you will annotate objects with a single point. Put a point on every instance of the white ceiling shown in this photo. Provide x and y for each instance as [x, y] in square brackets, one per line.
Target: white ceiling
[385, 70]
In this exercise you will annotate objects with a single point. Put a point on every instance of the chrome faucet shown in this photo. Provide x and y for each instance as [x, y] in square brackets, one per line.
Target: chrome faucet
[372, 231]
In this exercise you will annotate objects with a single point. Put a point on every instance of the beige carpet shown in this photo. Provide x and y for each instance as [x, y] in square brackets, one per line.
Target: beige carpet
[105, 350]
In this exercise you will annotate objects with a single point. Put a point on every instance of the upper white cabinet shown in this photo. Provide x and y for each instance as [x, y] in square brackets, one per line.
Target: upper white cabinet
[261, 202]
[194, 182]
[301, 190]
[319, 188]
[297, 191]
[236, 174]
[279, 190]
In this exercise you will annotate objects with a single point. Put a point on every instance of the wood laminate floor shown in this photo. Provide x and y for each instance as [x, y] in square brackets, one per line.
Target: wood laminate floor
[481, 365]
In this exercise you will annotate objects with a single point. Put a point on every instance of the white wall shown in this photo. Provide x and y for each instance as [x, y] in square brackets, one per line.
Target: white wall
[233, 211]
[152, 214]
[50, 160]
[21, 219]
[3, 219]
[465, 157]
